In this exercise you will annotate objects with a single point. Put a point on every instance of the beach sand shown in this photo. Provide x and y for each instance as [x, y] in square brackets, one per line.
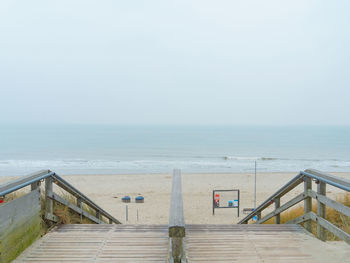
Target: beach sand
[107, 191]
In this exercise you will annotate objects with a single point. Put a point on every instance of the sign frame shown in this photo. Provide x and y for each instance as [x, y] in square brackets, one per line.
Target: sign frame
[226, 190]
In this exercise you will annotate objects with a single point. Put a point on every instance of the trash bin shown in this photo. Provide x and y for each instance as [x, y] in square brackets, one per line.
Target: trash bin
[139, 199]
[126, 199]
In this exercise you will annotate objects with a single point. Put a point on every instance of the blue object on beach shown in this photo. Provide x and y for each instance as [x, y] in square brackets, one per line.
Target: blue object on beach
[255, 218]
[126, 199]
[139, 199]
[230, 203]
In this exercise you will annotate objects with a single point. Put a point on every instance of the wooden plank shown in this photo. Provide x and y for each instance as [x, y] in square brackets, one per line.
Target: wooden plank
[307, 202]
[48, 201]
[321, 211]
[79, 210]
[73, 243]
[206, 243]
[345, 210]
[23, 180]
[282, 208]
[20, 225]
[277, 202]
[330, 227]
[75, 192]
[300, 219]
[176, 219]
[298, 179]
[330, 179]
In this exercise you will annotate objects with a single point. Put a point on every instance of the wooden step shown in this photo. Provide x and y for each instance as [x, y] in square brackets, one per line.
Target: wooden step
[101, 243]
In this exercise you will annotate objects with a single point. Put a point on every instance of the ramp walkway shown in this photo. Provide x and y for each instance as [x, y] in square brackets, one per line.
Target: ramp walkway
[258, 243]
[100, 243]
[204, 243]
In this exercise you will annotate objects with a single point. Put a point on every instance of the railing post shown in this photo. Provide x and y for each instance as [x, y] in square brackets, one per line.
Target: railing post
[34, 186]
[80, 205]
[98, 215]
[258, 215]
[307, 202]
[277, 205]
[321, 210]
[48, 200]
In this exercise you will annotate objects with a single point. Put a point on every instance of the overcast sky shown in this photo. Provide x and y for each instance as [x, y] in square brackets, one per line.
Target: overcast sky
[175, 62]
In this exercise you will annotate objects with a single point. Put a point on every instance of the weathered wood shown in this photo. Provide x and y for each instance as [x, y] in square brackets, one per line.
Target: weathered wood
[345, 210]
[298, 179]
[50, 177]
[48, 201]
[258, 215]
[176, 219]
[20, 225]
[282, 208]
[101, 243]
[254, 243]
[300, 219]
[330, 227]
[75, 208]
[307, 202]
[278, 215]
[75, 192]
[98, 216]
[341, 183]
[35, 186]
[23, 181]
[321, 211]
[80, 205]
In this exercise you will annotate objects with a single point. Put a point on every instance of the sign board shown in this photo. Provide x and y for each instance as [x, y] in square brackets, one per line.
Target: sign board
[223, 199]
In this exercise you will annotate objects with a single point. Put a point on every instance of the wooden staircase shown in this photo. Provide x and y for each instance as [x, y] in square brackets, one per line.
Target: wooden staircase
[100, 243]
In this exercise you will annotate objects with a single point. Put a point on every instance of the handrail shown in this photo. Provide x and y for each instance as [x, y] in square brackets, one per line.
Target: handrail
[328, 179]
[24, 181]
[72, 190]
[306, 177]
[176, 221]
[282, 191]
[51, 177]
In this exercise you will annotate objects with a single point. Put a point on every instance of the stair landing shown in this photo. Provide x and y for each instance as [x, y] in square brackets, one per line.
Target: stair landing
[260, 243]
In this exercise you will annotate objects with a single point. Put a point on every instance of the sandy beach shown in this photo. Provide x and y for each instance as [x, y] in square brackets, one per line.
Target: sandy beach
[107, 191]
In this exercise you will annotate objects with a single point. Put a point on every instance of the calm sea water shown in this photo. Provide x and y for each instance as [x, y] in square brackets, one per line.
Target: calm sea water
[71, 149]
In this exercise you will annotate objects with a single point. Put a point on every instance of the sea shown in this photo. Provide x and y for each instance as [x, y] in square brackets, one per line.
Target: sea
[128, 149]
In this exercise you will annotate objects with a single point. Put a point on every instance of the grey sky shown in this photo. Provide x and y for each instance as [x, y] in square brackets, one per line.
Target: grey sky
[175, 62]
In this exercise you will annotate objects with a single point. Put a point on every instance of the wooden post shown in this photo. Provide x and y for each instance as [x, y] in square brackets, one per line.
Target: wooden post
[98, 215]
[48, 201]
[321, 210]
[277, 205]
[307, 203]
[258, 216]
[80, 205]
[34, 186]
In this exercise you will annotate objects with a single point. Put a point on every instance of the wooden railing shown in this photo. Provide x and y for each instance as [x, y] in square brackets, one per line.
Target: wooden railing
[176, 222]
[306, 177]
[51, 178]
